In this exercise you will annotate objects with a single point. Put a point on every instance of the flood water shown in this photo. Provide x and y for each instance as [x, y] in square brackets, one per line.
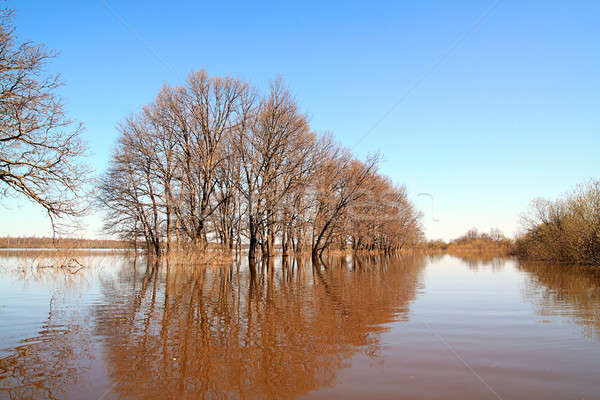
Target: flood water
[376, 328]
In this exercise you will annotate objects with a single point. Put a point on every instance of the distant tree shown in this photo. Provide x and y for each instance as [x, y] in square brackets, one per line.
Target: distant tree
[497, 235]
[472, 234]
[40, 148]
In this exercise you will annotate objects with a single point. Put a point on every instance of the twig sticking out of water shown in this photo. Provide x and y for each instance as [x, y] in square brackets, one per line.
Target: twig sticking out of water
[71, 266]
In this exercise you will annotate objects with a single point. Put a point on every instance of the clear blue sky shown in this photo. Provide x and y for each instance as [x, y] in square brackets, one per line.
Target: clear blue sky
[511, 114]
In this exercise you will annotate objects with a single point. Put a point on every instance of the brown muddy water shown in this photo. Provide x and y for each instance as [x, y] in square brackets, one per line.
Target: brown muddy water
[411, 328]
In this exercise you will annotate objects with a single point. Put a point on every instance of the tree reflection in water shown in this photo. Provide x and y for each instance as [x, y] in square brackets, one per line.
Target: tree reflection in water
[47, 364]
[194, 332]
[569, 291]
[168, 330]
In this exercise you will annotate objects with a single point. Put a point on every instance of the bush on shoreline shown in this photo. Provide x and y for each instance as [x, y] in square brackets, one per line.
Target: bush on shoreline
[566, 230]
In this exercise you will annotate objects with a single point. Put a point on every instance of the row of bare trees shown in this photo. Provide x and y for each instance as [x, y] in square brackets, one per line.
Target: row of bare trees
[212, 162]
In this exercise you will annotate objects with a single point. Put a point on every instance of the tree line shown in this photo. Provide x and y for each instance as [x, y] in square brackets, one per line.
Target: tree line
[214, 161]
[473, 240]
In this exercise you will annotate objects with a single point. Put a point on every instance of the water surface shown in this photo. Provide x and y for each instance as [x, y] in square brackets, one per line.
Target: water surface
[378, 328]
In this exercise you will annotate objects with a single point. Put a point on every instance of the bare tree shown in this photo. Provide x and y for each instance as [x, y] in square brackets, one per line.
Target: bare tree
[208, 110]
[339, 184]
[40, 148]
[131, 190]
[272, 152]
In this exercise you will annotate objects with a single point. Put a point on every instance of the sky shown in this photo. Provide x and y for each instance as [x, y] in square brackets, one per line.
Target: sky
[484, 104]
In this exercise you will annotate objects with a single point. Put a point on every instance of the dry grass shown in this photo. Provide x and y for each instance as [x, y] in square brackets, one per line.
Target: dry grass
[61, 243]
[61, 252]
[200, 258]
[470, 246]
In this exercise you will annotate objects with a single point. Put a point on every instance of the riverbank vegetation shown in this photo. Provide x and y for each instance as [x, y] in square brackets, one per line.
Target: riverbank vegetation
[214, 161]
[473, 242]
[565, 230]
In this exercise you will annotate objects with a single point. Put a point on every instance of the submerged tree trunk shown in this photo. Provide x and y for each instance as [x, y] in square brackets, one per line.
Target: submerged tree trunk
[252, 246]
